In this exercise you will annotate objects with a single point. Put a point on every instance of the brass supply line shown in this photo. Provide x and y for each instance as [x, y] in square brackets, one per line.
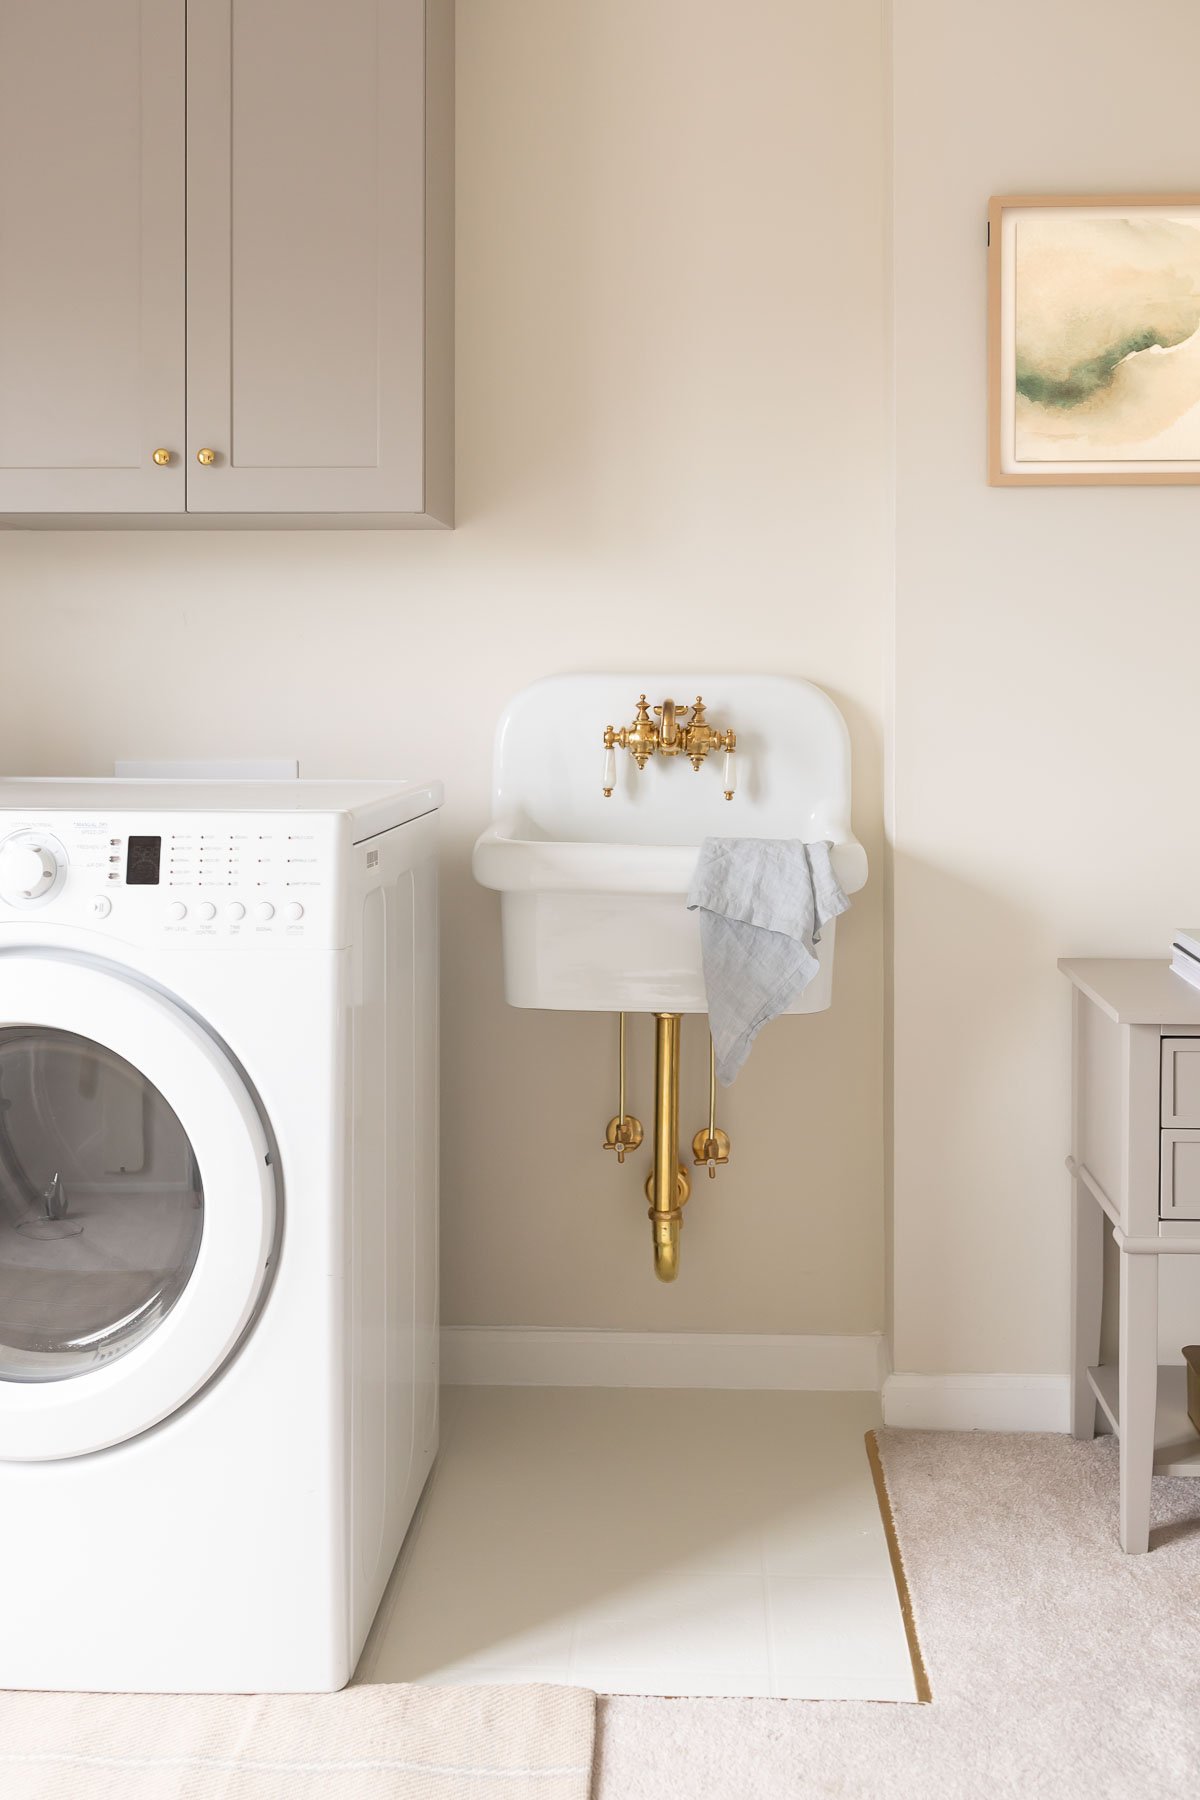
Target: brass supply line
[711, 1148]
[623, 1132]
[669, 1184]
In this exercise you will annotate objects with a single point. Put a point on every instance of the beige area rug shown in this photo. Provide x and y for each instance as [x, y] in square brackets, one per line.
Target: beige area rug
[368, 1743]
[1060, 1668]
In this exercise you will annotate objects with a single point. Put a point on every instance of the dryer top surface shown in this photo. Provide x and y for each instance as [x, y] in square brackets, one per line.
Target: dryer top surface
[372, 806]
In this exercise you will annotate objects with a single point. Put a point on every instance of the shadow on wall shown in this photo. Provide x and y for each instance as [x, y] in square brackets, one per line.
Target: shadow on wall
[982, 1049]
[982, 1038]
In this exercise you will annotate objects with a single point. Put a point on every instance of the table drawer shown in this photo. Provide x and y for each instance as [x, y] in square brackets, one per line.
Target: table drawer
[1180, 1088]
[1179, 1175]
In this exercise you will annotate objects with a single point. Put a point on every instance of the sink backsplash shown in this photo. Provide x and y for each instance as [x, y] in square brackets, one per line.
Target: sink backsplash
[793, 762]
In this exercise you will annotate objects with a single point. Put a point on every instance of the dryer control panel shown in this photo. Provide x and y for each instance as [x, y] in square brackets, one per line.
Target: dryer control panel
[235, 880]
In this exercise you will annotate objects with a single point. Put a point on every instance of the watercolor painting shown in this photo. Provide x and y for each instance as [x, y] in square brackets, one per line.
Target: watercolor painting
[1096, 340]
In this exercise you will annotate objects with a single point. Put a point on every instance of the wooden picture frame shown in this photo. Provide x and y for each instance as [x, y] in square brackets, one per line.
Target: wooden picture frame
[1077, 389]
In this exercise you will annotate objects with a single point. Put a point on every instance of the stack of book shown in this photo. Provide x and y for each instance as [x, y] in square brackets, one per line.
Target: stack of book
[1185, 954]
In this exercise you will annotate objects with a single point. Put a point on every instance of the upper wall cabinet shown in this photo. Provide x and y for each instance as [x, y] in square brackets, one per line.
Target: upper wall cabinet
[226, 262]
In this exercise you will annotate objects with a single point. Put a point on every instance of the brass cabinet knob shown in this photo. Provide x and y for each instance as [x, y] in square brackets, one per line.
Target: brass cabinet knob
[206, 457]
[162, 458]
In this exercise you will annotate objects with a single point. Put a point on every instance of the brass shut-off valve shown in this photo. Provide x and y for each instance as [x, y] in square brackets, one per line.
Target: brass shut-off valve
[680, 731]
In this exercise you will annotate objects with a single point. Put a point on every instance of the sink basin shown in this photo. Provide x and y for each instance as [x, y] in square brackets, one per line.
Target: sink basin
[592, 889]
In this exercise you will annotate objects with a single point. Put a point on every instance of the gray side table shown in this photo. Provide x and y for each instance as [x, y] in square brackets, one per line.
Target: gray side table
[1135, 1163]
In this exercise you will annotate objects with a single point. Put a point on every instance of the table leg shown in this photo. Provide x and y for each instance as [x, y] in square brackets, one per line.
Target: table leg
[1087, 1296]
[1138, 1396]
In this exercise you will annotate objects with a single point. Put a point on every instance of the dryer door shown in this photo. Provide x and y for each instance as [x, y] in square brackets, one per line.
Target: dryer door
[137, 1207]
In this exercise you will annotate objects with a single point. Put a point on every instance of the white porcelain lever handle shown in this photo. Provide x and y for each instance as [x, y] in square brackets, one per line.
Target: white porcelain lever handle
[729, 782]
[610, 772]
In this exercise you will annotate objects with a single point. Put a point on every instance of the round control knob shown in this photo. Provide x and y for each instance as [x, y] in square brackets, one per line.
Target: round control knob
[235, 911]
[293, 911]
[206, 910]
[27, 871]
[177, 910]
[264, 911]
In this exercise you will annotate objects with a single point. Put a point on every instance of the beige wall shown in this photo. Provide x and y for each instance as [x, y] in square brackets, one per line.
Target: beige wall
[671, 340]
[1046, 648]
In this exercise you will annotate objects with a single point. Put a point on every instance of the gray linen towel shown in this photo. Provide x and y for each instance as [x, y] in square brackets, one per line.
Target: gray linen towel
[762, 903]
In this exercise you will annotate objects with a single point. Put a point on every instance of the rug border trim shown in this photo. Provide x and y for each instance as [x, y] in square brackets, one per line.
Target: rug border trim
[920, 1673]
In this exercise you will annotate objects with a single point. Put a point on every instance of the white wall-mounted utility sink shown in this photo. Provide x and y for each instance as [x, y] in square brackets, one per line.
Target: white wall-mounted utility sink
[593, 889]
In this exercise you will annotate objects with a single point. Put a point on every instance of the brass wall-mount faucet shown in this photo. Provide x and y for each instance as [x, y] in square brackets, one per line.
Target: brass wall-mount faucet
[675, 734]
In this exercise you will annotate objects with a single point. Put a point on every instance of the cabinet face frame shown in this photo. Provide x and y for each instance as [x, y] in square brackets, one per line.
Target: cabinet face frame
[151, 210]
[1141, 1128]
[1179, 1209]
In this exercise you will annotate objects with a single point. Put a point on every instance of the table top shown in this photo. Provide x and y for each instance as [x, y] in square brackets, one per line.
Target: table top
[1135, 991]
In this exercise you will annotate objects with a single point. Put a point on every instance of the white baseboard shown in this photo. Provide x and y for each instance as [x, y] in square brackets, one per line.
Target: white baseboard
[507, 1356]
[978, 1402]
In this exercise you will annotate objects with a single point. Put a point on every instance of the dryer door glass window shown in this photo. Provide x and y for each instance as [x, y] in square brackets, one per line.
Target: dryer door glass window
[101, 1205]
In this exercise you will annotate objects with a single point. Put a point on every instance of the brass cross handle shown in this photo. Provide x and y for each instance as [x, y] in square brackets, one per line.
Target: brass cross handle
[622, 1134]
[709, 1148]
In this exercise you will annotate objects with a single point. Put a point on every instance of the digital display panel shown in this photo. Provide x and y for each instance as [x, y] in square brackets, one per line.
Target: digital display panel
[142, 863]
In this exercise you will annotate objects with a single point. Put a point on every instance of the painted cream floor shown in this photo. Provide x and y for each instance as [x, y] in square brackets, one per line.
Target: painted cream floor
[649, 1542]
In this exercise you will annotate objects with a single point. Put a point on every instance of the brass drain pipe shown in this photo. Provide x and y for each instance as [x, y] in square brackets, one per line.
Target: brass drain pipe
[669, 1184]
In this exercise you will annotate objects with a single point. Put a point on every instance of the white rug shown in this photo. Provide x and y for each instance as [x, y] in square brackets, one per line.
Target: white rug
[1060, 1668]
[368, 1743]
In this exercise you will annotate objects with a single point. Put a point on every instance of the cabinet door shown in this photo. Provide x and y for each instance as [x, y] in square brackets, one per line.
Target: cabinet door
[306, 184]
[91, 255]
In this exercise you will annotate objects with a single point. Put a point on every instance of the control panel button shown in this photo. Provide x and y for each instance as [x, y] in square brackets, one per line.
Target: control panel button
[177, 910]
[235, 911]
[293, 911]
[206, 910]
[264, 911]
[101, 906]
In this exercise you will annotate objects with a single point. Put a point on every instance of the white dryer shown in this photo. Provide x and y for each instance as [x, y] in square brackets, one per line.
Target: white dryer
[218, 1225]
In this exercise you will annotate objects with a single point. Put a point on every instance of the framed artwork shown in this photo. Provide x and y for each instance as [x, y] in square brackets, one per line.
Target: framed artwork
[1094, 339]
